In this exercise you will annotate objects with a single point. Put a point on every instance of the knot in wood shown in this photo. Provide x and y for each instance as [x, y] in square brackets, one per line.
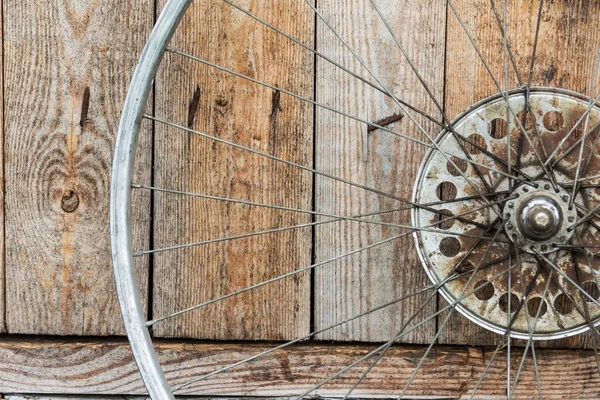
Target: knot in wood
[70, 201]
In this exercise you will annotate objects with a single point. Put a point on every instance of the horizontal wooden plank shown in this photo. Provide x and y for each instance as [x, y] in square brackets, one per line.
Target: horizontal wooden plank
[101, 368]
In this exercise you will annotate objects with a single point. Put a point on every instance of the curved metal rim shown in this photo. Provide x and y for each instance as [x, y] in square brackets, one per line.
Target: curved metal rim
[417, 240]
[120, 199]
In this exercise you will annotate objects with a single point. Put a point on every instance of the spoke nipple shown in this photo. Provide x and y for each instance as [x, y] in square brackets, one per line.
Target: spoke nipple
[135, 185]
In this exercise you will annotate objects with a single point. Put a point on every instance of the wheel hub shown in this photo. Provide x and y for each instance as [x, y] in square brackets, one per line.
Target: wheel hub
[538, 217]
[506, 244]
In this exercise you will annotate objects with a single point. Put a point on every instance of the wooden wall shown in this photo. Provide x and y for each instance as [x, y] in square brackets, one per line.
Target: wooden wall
[66, 65]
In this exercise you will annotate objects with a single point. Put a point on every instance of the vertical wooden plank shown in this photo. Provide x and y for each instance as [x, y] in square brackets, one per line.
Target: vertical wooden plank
[243, 112]
[68, 64]
[567, 47]
[376, 159]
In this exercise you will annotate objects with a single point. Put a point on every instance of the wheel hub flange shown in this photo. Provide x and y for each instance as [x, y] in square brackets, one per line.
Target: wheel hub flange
[539, 217]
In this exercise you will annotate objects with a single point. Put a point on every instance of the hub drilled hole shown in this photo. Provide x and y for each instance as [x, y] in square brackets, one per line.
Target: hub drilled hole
[563, 305]
[460, 163]
[498, 128]
[503, 302]
[479, 141]
[553, 120]
[592, 290]
[444, 215]
[485, 291]
[533, 304]
[449, 246]
[446, 191]
[528, 122]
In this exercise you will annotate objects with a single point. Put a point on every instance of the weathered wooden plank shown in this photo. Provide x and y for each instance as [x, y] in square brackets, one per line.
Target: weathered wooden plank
[567, 48]
[374, 158]
[243, 112]
[67, 67]
[103, 368]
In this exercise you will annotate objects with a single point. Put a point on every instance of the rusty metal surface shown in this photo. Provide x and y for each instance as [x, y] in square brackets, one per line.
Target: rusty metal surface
[561, 312]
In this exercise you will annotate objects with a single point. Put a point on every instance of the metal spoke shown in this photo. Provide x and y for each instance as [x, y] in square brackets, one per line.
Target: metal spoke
[565, 276]
[530, 340]
[591, 214]
[450, 307]
[426, 206]
[259, 233]
[450, 275]
[323, 214]
[564, 139]
[450, 313]
[306, 337]
[388, 345]
[292, 94]
[406, 112]
[504, 95]
[530, 327]
[432, 143]
[330, 61]
[505, 343]
[304, 269]
[585, 126]
[277, 159]
[535, 43]
[367, 82]
[433, 287]
[437, 104]
[510, 53]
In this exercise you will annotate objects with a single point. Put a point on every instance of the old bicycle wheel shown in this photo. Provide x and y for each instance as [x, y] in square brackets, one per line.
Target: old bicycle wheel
[363, 171]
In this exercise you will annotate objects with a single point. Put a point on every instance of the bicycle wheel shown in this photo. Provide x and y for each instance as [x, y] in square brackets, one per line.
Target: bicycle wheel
[297, 165]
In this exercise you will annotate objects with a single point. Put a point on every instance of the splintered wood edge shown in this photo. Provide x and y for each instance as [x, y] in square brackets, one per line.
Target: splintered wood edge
[83, 367]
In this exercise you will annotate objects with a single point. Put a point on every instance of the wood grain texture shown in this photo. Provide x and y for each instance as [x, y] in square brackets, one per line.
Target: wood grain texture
[103, 368]
[567, 48]
[67, 65]
[377, 159]
[253, 116]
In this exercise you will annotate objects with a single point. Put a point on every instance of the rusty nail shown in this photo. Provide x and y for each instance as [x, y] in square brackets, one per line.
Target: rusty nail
[384, 122]
[70, 201]
[275, 103]
[85, 106]
[193, 108]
